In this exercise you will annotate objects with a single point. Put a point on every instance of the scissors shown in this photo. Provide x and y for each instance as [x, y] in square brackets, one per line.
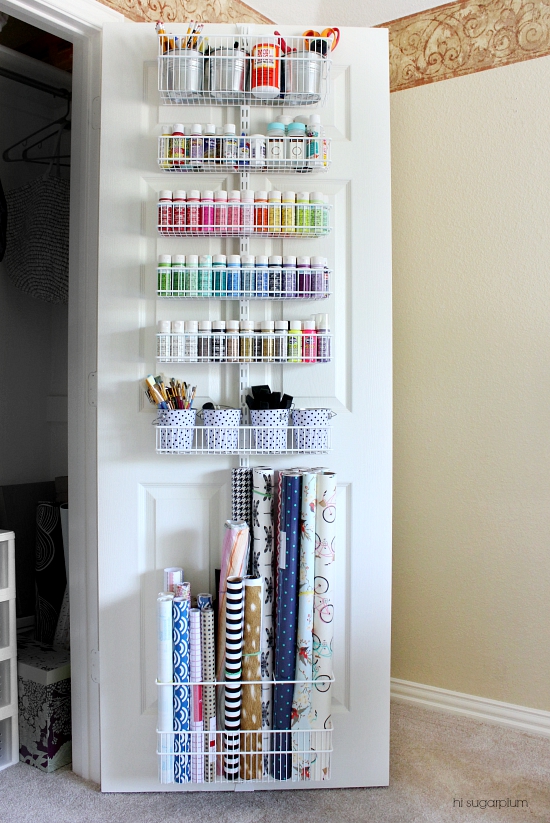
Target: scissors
[333, 33]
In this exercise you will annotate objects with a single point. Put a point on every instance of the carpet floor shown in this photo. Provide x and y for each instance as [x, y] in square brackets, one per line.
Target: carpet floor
[437, 760]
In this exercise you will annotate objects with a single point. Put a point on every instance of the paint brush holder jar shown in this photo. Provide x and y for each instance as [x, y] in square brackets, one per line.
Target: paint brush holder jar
[177, 427]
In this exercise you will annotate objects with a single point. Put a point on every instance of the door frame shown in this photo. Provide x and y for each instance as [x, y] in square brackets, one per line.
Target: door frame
[81, 22]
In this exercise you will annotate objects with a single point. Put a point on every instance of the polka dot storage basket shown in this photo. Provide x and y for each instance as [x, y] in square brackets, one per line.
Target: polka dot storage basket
[179, 436]
[225, 435]
[269, 431]
[315, 436]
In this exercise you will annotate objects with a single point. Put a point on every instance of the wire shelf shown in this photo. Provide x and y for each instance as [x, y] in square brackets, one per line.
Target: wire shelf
[228, 70]
[226, 283]
[186, 219]
[215, 153]
[253, 347]
[216, 440]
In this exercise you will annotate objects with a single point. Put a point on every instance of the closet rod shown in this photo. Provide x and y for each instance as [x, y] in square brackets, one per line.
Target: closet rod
[35, 84]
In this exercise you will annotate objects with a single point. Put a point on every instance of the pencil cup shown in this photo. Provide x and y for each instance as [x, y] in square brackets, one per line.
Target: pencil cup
[225, 434]
[270, 429]
[177, 429]
[314, 435]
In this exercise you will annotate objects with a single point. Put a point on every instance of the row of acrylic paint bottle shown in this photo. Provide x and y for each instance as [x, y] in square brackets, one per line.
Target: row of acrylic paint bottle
[243, 277]
[222, 213]
[298, 143]
[245, 341]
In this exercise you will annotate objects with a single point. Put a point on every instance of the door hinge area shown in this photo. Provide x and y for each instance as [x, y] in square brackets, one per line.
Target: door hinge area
[94, 665]
[92, 388]
[96, 113]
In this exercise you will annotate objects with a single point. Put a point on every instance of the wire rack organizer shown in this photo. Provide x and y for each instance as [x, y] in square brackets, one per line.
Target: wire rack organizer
[309, 220]
[183, 282]
[216, 440]
[260, 347]
[242, 69]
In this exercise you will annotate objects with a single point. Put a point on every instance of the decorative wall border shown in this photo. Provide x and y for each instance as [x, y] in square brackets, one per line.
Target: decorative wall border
[179, 11]
[465, 37]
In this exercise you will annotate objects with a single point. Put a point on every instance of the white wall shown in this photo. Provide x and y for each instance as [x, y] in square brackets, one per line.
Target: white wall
[33, 334]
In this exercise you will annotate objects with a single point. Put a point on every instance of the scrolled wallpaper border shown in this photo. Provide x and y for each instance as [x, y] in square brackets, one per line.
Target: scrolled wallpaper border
[180, 11]
[464, 37]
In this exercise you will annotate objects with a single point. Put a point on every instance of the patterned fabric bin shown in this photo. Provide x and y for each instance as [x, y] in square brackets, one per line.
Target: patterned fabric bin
[44, 685]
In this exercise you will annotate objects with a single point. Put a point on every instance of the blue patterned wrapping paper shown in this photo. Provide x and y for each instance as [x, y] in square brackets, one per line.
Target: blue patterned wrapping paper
[180, 612]
[287, 617]
[165, 722]
[301, 703]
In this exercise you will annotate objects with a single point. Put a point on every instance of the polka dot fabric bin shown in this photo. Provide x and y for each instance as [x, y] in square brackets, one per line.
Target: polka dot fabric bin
[225, 438]
[315, 437]
[272, 438]
[178, 438]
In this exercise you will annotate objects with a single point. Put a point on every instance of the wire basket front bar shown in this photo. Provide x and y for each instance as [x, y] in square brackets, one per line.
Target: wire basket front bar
[217, 440]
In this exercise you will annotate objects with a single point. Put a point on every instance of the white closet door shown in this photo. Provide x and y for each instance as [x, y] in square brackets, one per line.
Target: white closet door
[157, 510]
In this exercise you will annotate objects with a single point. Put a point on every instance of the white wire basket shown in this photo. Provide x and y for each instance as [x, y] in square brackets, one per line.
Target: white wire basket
[197, 220]
[245, 283]
[216, 440]
[243, 70]
[262, 756]
[215, 153]
[254, 347]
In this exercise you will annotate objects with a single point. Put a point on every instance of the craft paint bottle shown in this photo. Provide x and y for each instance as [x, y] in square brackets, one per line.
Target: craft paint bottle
[303, 270]
[257, 343]
[177, 146]
[177, 342]
[244, 150]
[288, 277]
[197, 145]
[275, 145]
[248, 276]
[302, 212]
[220, 212]
[178, 276]
[313, 142]
[257, 151]
[268, 340]
[230, 144]
[323, 338]
[191, 340]
[164, 275]
[219, 145]
[246, 338]
[295, 341]
[193, 212]
[275, 275]
[261, 218]
[233, 275]
[316, 209]
[192, 275]
[262, 276]
[218, 341]
[247, 211]
[232, 341]
[325, 214]
[274, 211]
[297, 144]
[209, 144]
[288, 217]
[219, 276]
[163, 339]
[309, 341]
[205, 341]
[205, 275]
[234, 212]
[165, 212]
[207, 212]
[281, 341]
[318, 275]
[165, 148]
[179, 212]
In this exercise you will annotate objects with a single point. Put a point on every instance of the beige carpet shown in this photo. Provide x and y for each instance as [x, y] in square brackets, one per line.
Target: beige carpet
[436, 759]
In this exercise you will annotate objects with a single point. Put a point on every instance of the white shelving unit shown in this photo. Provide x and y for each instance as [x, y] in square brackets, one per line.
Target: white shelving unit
[9, 728]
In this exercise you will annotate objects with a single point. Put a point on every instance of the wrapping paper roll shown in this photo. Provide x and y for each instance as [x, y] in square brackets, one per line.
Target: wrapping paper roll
[263, 512]
[241, 494]
[209, 692]
[234, 618]
[323, 612]
[180, 616]
[172, 576]
[204, 600]
[165, 722]
[195, 667]
[301, 703]
[251, 710]
[287, 616]
[183, 590]
[234, 559]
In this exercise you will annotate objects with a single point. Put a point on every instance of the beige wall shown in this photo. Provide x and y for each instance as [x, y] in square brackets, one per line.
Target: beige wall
[471, 192]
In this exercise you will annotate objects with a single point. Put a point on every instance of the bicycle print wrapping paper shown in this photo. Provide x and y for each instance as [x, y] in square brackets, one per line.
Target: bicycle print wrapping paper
[180, 630]
[323, 614]
[251, 710]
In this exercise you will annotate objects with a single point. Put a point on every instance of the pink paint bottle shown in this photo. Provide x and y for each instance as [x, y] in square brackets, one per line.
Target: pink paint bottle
[193, 212]
[207, 211]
